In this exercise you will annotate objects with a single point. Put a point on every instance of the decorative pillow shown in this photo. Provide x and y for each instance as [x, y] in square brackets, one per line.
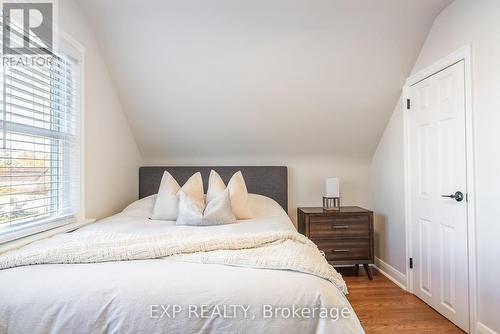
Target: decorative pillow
[167, 201]
[194, 212]
[237, 193]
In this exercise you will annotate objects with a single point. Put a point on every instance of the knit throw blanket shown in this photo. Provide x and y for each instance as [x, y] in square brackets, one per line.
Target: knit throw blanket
[286, 250]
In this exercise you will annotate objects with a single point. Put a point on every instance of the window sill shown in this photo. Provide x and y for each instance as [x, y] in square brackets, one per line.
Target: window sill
[9, 245]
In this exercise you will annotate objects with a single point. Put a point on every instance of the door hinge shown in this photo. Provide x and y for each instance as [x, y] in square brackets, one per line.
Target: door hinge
[411, 263]
[408, 104]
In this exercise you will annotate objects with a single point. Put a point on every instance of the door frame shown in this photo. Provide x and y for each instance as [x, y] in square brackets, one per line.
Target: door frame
[462, 54]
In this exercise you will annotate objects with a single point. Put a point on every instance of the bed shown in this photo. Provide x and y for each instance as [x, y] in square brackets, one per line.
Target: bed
[175, 294]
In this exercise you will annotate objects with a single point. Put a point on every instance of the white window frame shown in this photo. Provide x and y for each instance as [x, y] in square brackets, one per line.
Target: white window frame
[53, 225]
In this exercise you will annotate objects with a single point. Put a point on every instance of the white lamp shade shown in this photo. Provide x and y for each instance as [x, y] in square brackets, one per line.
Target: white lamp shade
[332, 188]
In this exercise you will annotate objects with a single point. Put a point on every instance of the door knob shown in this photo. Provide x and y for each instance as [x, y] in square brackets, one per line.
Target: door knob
[458, 196]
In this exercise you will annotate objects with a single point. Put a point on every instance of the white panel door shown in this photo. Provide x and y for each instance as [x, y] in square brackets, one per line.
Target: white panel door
[437, 169]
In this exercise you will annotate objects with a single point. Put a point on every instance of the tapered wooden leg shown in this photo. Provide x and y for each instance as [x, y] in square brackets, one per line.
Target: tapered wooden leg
[356, 269]
[368, 271]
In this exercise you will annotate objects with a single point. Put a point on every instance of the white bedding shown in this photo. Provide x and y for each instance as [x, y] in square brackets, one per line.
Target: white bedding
[141, 296]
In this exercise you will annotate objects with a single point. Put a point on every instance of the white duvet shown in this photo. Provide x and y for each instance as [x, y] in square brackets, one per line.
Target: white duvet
[171, 295]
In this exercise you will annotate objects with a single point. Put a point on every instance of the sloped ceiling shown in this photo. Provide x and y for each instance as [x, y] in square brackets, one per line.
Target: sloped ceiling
[255, 78]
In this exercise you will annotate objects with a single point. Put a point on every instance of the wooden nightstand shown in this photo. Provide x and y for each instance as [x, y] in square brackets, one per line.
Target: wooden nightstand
[345, 235]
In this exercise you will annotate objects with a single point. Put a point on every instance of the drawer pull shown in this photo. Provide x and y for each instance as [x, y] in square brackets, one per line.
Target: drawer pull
[340, 226]
[340, 250]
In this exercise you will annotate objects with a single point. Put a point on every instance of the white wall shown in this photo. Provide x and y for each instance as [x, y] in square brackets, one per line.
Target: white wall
[262, 77]
[111, 155]
[387, 178]
[305, 177]
[462, 22]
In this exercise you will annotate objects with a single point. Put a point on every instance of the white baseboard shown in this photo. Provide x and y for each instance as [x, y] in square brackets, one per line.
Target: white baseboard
[391, 273]
[483, 329]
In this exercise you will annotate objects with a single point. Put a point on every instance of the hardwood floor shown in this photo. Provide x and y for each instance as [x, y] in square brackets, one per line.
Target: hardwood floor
[382, 307]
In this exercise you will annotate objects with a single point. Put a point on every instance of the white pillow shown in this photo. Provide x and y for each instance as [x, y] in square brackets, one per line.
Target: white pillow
[167, 201]
[142, 207]
[194, 212]
[238, 193]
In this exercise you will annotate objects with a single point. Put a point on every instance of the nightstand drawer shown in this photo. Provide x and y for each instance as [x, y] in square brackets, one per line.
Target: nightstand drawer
[339, 227]
[342, 250]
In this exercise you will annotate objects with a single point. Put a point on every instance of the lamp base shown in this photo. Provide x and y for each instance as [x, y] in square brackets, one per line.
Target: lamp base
[331, 203]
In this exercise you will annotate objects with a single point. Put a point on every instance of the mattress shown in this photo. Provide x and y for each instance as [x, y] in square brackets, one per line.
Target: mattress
[170, 295]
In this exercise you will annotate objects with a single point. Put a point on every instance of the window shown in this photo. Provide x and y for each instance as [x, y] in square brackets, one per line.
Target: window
[39, 146]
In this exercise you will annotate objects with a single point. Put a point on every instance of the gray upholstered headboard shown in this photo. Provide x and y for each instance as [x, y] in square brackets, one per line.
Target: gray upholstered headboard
[270, 181]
